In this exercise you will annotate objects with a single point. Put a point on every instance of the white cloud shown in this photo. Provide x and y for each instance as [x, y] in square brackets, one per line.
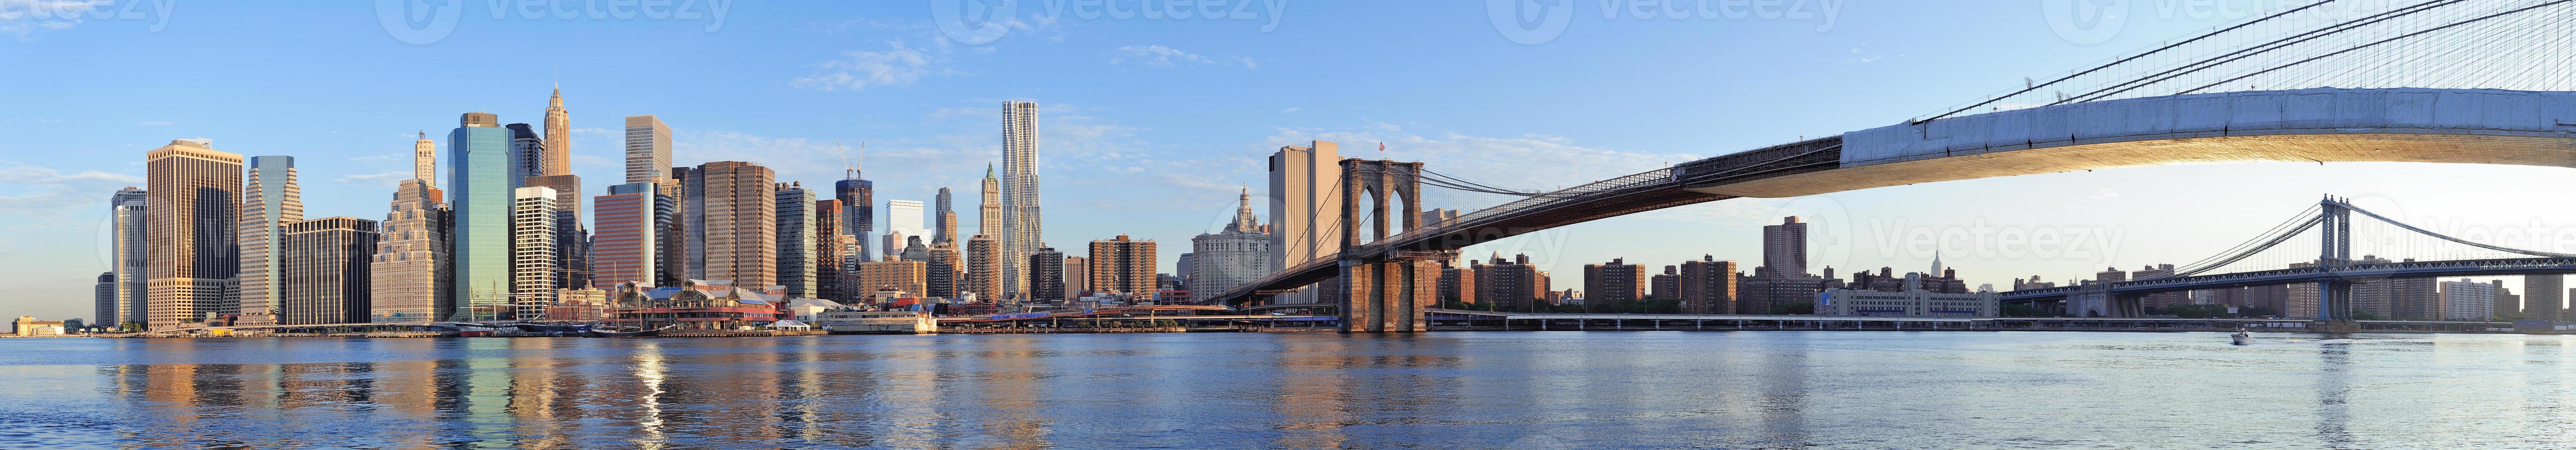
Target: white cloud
[2106, 193]
[44, 198]
[385, 179]
[897, 65]
[1161, 56]
[21, 18]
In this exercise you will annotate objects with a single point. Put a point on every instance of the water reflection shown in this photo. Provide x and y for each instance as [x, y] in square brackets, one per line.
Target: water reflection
[1539, 390]
[2334, 394]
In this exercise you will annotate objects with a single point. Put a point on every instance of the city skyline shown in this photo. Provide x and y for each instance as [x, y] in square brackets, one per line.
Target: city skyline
[915, 165]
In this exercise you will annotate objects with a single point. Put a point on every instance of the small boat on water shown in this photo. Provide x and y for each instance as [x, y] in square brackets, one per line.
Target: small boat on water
[2242, 337]
[623, 333]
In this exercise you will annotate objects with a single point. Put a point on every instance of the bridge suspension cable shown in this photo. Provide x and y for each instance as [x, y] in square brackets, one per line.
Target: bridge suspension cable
[2385, 219]
[2301, 223]
[2481, 44]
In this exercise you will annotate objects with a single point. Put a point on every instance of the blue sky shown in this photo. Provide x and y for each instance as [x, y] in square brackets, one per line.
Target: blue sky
[1150, 123]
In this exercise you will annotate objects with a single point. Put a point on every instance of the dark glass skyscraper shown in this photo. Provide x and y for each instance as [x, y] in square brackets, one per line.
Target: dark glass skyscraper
[856, 196]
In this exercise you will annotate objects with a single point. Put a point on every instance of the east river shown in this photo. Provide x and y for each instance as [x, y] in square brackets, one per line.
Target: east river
[1824, 389]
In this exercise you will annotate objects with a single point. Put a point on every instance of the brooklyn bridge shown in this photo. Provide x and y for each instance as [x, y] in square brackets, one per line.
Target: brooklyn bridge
[2444, 81]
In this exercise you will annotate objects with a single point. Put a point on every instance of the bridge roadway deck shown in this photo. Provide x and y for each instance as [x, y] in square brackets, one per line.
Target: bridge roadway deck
[2353, 272]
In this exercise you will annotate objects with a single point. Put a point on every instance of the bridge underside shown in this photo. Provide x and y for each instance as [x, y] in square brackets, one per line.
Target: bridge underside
[2530, 149]
[2476, 126]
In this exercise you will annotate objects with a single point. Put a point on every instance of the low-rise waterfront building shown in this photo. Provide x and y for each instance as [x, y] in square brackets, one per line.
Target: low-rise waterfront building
[697, 305]
[1909, 302]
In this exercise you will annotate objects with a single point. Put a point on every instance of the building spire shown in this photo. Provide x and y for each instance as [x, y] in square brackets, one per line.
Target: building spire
[1243, 218]
[424, 160]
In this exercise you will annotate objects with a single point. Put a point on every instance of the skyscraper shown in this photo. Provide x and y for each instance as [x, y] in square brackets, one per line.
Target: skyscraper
[830, 246]
[988, 211]
[572, 241]
[527, 154]
[558, 156]
[1124, 266]
[731, 218]
[984, 269]
[904, 216]
[1077, 276]
[191, 211]
[1021, 233]
[1046, 276]
[943, 263]
[547, 161]
[409, 279]
[131, 264]
[632, 220]
[325, 273]
[943, 221]
[103, 300]
[648, 150]
[479, 171]
[533, 269]
[270, 200]
[858, 211]
[1231, 257]
[1306, 212]
[797, 239]
[1784, 248]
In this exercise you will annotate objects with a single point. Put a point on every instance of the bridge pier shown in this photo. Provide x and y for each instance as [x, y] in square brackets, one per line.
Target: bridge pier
[1388, 296]
[2097, 300]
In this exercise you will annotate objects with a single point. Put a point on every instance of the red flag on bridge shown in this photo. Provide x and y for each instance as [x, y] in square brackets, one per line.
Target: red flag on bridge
[1381, 146]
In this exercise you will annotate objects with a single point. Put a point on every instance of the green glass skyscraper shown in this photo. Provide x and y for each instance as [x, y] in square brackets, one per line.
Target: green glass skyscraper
[479, 167]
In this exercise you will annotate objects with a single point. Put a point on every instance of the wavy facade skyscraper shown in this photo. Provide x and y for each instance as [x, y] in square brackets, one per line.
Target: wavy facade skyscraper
[1022, 233]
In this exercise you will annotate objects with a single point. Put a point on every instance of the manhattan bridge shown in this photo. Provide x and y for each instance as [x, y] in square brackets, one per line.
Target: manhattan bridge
[2441, 81]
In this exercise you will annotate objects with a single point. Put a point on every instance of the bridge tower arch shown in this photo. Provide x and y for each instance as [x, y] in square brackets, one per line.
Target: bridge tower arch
[1390, 291]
